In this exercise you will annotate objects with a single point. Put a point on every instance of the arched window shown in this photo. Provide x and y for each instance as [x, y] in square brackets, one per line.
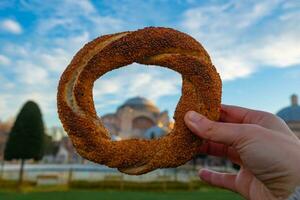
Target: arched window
[142, 123]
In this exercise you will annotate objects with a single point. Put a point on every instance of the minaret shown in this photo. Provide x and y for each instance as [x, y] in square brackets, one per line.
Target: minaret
[294, 100]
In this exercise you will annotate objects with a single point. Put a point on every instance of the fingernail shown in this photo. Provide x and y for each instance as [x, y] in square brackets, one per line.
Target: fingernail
[194, 117]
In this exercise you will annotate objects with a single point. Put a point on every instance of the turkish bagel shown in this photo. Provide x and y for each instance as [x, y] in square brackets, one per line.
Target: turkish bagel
[166, 47]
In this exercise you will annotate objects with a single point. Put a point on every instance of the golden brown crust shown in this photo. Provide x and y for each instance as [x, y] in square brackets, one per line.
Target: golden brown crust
[201, 91]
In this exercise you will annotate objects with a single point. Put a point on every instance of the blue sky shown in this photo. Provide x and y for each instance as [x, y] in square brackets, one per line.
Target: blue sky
[254, 44]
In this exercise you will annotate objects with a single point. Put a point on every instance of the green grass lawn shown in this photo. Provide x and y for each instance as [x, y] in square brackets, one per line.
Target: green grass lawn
[115, 195]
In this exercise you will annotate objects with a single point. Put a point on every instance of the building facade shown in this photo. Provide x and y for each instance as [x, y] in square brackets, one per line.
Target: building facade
[137, 118]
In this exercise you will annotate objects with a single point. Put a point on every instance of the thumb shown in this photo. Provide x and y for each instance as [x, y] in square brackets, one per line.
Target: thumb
[226, 133]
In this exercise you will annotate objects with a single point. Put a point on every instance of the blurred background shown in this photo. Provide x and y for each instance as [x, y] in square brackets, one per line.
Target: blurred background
[254, 45]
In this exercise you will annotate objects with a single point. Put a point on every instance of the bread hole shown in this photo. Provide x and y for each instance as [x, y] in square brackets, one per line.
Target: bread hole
[137, 101]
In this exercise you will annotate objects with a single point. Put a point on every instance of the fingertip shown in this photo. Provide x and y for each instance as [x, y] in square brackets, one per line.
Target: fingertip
[196, 122]
[187, 116]
[193, 116]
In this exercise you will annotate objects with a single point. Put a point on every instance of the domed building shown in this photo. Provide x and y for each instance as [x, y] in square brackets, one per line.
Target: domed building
[291, 115]
[137, 118]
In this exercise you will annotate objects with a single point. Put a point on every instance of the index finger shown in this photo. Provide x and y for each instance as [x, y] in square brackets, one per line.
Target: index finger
[236, 114]
[233, 114]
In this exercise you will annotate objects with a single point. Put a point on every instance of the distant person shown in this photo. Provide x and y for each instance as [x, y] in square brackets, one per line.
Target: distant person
[260, 142]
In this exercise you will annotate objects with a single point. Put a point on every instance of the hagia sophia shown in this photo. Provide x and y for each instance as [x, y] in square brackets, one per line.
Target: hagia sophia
[137, 118]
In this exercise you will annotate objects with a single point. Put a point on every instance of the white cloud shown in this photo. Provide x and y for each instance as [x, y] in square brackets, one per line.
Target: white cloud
[66, 7]
[11, 26]
[108, 86]
[36, 71]
[136, 80]
[280, 51]
[56, 60]
[44, 99]
[106, 24]
[46, 26]
[4, 60]
[71, 16]
[8, 86]
[231, 66]
[3, 107]
[237, 46]
[71, 44]
[255, 13]
[30, 73]
[235, 15]
[86, 6]
[153, 85]
[15, 50]
[42, 62]
[11, 103]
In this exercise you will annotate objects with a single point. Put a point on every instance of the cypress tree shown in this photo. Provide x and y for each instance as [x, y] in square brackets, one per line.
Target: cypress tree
[26, 139]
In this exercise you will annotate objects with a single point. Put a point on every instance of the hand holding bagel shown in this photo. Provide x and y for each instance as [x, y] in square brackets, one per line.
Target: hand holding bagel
[260, 142]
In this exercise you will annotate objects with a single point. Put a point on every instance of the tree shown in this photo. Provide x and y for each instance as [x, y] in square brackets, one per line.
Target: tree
[26, 139]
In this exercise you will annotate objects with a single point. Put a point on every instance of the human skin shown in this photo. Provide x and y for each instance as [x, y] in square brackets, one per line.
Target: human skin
[260, 142]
